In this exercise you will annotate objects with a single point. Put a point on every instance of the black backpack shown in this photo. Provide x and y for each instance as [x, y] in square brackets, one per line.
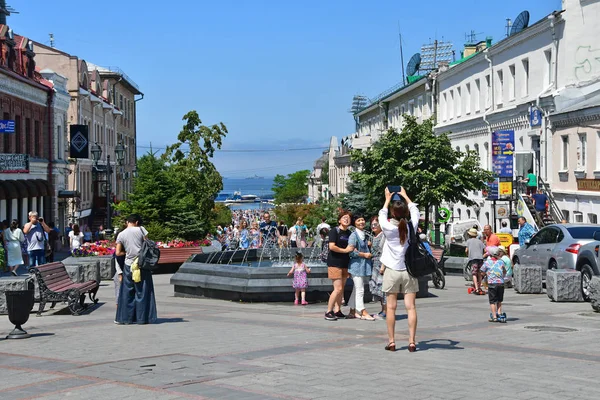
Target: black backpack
[149, 255]
[418, 260]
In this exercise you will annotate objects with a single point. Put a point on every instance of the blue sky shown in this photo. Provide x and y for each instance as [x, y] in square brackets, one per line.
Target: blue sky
[279, 74]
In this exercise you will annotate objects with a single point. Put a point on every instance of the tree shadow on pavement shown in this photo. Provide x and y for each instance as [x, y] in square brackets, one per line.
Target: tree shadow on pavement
[442, 344]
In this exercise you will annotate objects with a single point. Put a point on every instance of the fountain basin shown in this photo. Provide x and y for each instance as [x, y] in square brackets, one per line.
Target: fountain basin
[226, 275]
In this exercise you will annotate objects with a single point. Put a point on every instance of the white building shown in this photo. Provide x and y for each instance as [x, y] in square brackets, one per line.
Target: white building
[384, 112]
[575, 113]
[493, 88]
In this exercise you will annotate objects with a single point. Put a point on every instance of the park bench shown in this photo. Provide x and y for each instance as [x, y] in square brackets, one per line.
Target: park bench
[177, 255]
[438, 254]
[56, 285]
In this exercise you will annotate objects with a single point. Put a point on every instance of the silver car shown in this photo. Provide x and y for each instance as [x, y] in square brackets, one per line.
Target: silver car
[588, 262]
[555, 246]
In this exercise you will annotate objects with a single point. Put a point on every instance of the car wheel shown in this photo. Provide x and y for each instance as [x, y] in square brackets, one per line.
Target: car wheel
[586, 279]
[552, 264]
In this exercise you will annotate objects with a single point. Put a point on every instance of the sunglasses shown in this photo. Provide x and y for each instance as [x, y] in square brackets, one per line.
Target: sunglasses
[374, 225]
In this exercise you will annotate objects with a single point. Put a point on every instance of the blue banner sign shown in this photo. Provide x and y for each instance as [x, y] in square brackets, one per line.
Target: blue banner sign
[535, 117]
[492, 191]
[503, 149]
[7, 126]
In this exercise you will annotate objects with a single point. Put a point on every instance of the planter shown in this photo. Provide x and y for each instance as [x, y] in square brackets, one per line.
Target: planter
[12, 283]
[19, 304]
[106, 265]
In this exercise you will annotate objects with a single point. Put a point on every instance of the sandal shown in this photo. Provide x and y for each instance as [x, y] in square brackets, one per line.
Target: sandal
[412, 347]
[492, 319]
[366, 317]
[391, 346]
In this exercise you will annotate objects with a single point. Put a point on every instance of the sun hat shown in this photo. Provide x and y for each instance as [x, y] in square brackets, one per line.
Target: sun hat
[502, 249]
[472, 232]
[493, 251]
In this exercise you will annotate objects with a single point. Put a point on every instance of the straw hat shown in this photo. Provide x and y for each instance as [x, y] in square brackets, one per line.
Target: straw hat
[502, 249]
[472, 232]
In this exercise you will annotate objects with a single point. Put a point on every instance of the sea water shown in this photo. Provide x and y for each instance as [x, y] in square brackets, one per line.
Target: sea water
[259, 186]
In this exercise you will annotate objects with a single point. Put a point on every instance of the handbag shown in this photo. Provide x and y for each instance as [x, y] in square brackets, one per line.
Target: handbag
[418, 260]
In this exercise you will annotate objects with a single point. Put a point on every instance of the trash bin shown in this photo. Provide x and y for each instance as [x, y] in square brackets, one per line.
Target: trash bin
[19, 304]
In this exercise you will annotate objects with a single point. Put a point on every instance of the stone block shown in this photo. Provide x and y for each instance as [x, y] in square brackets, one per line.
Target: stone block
[83, 272]
[106, 264]
[595, 293]
[528, 278]
[9, 283]
[563, 285]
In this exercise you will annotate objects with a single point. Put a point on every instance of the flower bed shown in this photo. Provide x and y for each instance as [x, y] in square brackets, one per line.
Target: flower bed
[94, 249]
[178, 243]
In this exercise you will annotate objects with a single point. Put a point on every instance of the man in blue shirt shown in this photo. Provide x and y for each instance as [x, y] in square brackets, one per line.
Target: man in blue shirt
[540, 200]
[269, 232]
[526, 231]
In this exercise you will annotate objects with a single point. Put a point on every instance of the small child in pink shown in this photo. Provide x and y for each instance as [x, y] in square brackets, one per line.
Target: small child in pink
[300, 283]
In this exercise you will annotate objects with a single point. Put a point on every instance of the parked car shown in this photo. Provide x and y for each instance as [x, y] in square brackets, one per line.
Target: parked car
[588, 263]
[556, 246]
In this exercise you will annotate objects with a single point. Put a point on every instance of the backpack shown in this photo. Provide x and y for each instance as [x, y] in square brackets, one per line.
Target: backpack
[418, 260]
[149, 255]
[325, 247]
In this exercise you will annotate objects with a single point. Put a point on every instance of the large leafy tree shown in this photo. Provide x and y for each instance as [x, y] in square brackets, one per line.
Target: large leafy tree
[198, 180]
[175, 193]
[292, 188]
[424, 163]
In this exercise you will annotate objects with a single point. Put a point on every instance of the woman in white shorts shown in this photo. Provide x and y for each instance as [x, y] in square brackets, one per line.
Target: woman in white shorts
[396, 278]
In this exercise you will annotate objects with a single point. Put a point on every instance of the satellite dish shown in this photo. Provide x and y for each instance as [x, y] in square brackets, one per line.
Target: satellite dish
[520, 23]
[413, 64]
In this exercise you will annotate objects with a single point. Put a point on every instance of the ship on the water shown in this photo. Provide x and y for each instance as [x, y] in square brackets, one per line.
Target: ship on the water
[255, 177]
[238, 197]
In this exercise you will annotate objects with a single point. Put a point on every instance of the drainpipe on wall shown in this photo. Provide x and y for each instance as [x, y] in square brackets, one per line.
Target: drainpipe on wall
[50, 108]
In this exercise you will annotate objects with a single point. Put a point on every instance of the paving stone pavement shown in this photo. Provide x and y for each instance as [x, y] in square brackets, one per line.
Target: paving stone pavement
[213, 349]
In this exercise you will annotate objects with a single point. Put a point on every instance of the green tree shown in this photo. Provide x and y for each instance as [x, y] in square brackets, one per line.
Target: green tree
[198, 180]
[292, 188]
[356, 200]
[221, 215]
[175, 193]
[425, 164]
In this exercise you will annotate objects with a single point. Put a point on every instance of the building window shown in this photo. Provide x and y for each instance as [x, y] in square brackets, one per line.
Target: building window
[525, 83]
[547, 68]
[477, 96]
[467, 148]
[18, 144]
[6, 138]
[592, 218]
[486, 154]
[582, 151]
[500, 91]
[488, 92]
[565, 153]
[28, 149]
[445, 108]
[458, 101]
[512, 83]
[451, 105]
[468, 99]
[420, 107]
[411, 108]
[59, 143]
[597, 150]
[578, 217]
[39, 148]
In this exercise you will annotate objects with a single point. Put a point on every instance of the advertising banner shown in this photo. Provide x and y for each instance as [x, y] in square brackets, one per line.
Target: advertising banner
[503, 149]
[7, 126]
[79, 144]
[14, 163]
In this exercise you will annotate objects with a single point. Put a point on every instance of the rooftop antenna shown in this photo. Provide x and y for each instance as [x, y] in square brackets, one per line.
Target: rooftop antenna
[51, 40]
[508, 26]
[471, 37]
[5, 11]
[401, 53]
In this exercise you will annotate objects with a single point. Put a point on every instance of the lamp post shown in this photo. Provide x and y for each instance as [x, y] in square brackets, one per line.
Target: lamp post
[96, 155]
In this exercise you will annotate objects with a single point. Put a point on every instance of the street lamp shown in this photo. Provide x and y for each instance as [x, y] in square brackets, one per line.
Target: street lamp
[120, 153]
[96, 154]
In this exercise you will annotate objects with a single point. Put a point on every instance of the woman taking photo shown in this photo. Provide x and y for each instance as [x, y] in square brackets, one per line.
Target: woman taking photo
[396, 278]
[360, 269]
[337, 262]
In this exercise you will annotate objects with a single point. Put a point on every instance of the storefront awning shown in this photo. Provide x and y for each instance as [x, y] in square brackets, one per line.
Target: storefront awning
[22, 191]
[8, 191]
[43, 187]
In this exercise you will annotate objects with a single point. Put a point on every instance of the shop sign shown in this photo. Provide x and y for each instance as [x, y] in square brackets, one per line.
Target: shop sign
[14, 163]
[588, 184]
[503, 149]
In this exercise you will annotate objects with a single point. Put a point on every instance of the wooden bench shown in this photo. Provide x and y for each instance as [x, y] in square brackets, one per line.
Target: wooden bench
[56, 285]
[438, 254]
[177, 255]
